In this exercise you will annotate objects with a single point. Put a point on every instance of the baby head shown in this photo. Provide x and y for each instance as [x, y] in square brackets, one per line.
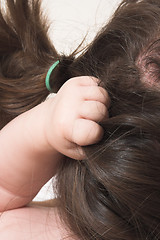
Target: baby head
[114, 193]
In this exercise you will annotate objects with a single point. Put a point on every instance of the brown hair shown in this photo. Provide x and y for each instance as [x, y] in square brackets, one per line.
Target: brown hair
[114, 194]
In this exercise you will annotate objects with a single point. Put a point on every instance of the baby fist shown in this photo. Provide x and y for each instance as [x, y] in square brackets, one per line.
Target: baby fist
[76, 111]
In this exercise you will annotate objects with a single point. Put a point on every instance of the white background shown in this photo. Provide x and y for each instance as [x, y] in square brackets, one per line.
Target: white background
[70, 21]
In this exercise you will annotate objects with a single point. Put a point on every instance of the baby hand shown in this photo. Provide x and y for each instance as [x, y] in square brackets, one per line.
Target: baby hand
[76, 110]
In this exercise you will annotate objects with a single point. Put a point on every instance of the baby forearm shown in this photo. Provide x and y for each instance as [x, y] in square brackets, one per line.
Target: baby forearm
[33, 144]
[27, 161]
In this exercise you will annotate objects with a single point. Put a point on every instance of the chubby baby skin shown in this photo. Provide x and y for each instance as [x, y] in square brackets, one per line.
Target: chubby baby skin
[33, 144]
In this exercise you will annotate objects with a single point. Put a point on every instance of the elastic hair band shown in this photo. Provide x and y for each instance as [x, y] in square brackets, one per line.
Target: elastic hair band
[49, 74]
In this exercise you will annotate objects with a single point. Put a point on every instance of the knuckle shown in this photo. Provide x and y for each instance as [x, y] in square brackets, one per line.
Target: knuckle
[105, 96]
[101, 109]
[104, 112]
[97, 133]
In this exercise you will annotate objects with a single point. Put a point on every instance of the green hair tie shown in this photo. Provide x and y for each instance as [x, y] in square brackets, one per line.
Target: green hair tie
[49, 74]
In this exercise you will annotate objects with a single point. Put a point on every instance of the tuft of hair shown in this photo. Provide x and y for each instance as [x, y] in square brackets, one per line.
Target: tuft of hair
[26, 53]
